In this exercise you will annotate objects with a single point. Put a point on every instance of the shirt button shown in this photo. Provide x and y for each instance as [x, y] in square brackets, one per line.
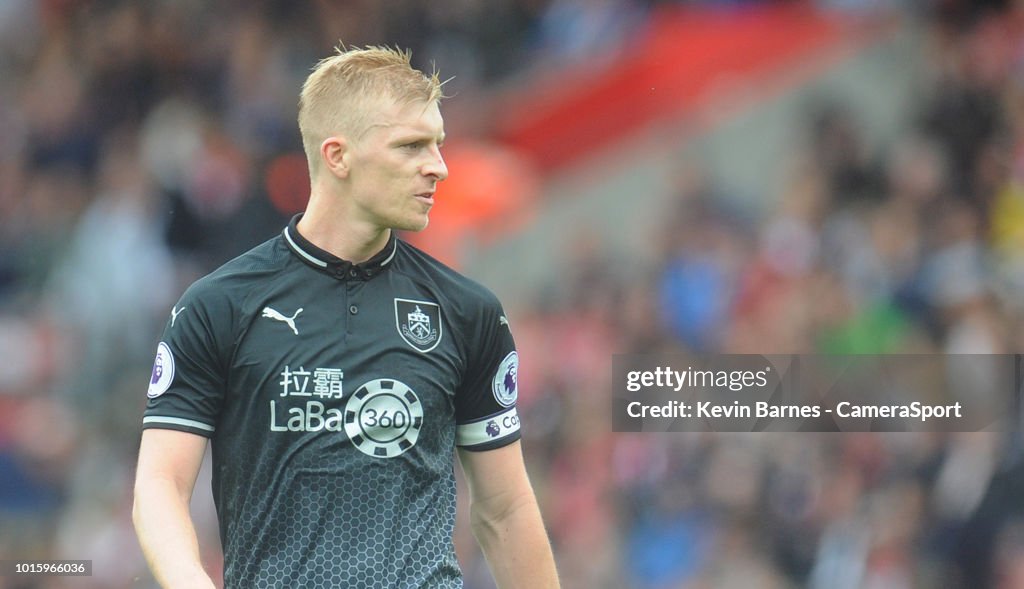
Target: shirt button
[353, 309]
[353, 273]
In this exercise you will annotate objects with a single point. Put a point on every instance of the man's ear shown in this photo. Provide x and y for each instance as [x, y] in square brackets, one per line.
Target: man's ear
[334, 152]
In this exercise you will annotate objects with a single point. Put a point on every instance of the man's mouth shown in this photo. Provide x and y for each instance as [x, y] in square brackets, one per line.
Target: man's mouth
[426, 197]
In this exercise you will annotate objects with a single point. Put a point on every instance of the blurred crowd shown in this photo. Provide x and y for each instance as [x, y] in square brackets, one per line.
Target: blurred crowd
[143, 144]
[913, 247]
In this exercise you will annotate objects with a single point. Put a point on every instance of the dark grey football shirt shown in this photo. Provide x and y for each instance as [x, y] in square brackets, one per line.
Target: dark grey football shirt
[334, 395]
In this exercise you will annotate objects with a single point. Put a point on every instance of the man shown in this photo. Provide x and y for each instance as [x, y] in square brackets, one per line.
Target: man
[335, 368]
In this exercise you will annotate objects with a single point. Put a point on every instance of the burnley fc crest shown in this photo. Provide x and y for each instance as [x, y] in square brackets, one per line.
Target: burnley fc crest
[419, 323]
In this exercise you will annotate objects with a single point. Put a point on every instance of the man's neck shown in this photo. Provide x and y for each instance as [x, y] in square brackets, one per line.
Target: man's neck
[349, 241]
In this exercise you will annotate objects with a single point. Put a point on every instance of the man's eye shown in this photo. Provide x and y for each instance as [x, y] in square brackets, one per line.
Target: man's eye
[413, 145]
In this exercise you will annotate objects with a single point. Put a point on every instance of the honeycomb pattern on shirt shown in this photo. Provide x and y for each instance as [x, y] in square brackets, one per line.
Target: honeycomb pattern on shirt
[386, 527]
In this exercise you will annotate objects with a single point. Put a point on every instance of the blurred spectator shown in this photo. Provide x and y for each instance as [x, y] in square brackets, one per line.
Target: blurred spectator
[116, 278]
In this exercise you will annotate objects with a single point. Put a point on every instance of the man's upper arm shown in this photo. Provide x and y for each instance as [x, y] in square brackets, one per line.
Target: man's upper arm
[170, 456]
[506, 519]
[497, 478]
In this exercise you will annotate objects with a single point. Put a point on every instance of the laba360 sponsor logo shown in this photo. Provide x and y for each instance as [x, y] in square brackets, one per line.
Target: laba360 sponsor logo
[382, 417]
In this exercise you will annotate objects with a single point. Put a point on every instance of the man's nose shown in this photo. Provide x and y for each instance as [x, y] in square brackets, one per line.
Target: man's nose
[436, 166]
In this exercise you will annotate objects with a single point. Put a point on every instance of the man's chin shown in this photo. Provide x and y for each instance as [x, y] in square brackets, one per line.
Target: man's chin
[417, 225]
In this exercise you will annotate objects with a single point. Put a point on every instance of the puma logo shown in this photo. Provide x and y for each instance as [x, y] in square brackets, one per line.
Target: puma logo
[277, 316]
[174, 314]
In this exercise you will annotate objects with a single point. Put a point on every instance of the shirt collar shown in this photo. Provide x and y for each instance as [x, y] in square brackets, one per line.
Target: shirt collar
[333, 265]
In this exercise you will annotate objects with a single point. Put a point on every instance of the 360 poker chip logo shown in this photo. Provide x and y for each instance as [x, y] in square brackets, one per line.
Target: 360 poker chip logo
[163, 371]
[383, 418]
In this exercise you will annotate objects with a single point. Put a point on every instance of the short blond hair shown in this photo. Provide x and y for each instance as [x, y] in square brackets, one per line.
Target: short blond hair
[338, 95]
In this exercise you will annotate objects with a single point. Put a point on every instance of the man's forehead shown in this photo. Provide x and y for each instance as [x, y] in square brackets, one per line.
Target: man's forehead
[422, 117]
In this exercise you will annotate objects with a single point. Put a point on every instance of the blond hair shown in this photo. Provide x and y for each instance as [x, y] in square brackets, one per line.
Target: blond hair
[339, 94]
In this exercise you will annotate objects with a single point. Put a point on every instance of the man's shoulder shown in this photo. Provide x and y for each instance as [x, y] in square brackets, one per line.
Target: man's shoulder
[237, 277]
[456, 286]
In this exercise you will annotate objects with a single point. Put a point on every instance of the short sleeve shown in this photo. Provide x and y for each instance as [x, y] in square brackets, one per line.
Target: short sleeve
[485, 404]
[187, 385]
